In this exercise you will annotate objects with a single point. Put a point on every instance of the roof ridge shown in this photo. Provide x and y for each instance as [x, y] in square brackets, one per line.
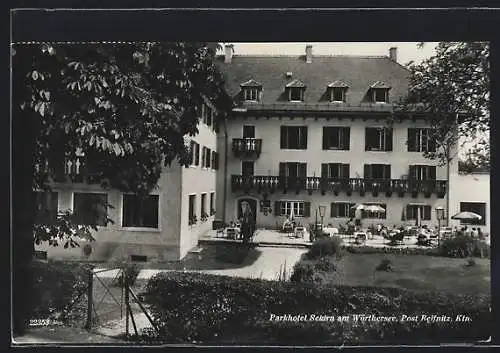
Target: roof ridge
[314, 56]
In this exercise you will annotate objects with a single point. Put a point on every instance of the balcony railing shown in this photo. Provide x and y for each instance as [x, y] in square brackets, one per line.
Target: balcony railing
[400, 187]
[247, 147]
[74, 170]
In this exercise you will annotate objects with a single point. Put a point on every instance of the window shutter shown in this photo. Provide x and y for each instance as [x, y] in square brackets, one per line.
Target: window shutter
[332, 205]
[282, 171]
[307, 209]
[346, 138]
[302, 169]
[352, 211]
[344, 173]
[324, 170]
[432, 172]
[412, 172]
[197, 154]
[431, 141]
[368, 135]
[283, 137]
[427, 213]
[412, 139]
[367, 171]
[387, 171]
[388, 139]
[303, 133]
[325, 138]
[277, 208]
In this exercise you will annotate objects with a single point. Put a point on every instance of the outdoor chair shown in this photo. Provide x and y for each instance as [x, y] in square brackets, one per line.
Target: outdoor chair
[398, 237]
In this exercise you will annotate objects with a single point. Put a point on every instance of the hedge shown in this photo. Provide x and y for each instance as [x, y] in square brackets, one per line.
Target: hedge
[211, 309]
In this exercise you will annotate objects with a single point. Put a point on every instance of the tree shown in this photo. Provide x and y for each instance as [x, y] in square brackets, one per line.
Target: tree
[126, 107]
[451, 88]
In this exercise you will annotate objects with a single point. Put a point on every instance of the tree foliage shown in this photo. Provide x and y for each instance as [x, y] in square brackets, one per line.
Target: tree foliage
[126, 107]
[454, 83]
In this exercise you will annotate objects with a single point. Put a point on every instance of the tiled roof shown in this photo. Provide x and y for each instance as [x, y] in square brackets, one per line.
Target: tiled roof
[358, 73]
[251, 83]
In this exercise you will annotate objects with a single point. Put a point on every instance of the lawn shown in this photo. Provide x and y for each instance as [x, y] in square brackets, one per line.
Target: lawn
[413, 272]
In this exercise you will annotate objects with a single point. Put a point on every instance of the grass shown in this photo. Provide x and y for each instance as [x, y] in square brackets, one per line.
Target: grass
[412, 272]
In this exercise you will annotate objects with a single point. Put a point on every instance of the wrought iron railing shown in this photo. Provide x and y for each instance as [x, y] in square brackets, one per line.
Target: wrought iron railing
[247, 147]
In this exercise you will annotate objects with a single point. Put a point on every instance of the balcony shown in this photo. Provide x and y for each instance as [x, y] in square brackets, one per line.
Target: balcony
[401, 187]
[75, 170]
[247, 147]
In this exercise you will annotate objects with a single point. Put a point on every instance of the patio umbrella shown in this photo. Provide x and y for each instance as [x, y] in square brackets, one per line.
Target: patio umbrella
[359, 207]
[466, 215]
[374, 208]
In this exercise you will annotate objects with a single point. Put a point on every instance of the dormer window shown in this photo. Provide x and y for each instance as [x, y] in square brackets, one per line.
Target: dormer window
[379, 92]
[251, 91]
[338, 90]
[296, 91]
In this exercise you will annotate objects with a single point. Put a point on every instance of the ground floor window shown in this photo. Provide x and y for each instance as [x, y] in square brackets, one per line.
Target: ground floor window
[203, 204]
[476, 207]
[46, 207]
[300, 208]
[342, 210]
[140, 212]
[90, 208]
[375, 214]
[412, 212]
[192, 212]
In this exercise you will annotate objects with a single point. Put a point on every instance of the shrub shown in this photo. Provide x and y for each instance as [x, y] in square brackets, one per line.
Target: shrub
[385, 265]
[303, 272]
[464, 246]
[325, 247]
[191, 307]
[58, 291]
[325, 264]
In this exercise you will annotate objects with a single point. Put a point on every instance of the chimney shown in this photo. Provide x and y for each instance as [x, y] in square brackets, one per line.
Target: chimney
[309, 54]
[393, 54]
[229, 53]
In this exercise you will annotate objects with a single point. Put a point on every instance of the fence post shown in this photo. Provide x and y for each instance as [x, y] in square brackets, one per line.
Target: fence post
[90, 286]
[125, 284]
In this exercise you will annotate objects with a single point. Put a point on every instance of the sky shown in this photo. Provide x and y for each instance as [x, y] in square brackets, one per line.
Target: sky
[407, 51]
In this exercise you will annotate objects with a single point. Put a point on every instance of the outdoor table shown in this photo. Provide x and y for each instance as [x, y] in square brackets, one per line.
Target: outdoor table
[233, 233]
[360, 235]
[331, 230]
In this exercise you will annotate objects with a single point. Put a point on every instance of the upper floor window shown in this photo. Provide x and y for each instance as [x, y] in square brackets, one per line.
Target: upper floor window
[337, 94]
[207, 114]
[296, 91]
[336, 138]
[335, 170]
[248, 131]
[293, 137]
[379, 92]
[419, 140]
[422, 172]
[293, 169]
[377, 171]
[378, 139]
[251, 91]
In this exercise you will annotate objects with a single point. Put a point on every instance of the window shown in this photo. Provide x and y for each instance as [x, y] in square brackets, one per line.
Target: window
[248, 131]
[251, 94]
[195, 153]
[247, 168]
[192, 205]
[335, 170]
[377, 171]
[414, 211]
[212, 203]
[476, 207]
[140, 212]
[380, 95]
[419, 140]
[342, 210]
[337, 94]
[378, 139]
[214, 162]
[297, 206]
[296, 94]
[336, 138]
[208, 156]
[46, 211]
[422, 172]
[376, 215]
[90, 208]
[206, 114]
[294, 137]
[292, 169]
[203, 209]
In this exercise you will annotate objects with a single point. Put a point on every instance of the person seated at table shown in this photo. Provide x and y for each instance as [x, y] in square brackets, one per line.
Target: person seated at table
[383, 232]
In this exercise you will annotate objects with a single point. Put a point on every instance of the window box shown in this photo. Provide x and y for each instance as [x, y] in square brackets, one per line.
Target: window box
[388, 192]
[204, 217]
[192, 220]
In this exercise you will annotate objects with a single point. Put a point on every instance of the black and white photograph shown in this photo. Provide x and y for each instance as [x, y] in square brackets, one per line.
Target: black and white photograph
[251, 193]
